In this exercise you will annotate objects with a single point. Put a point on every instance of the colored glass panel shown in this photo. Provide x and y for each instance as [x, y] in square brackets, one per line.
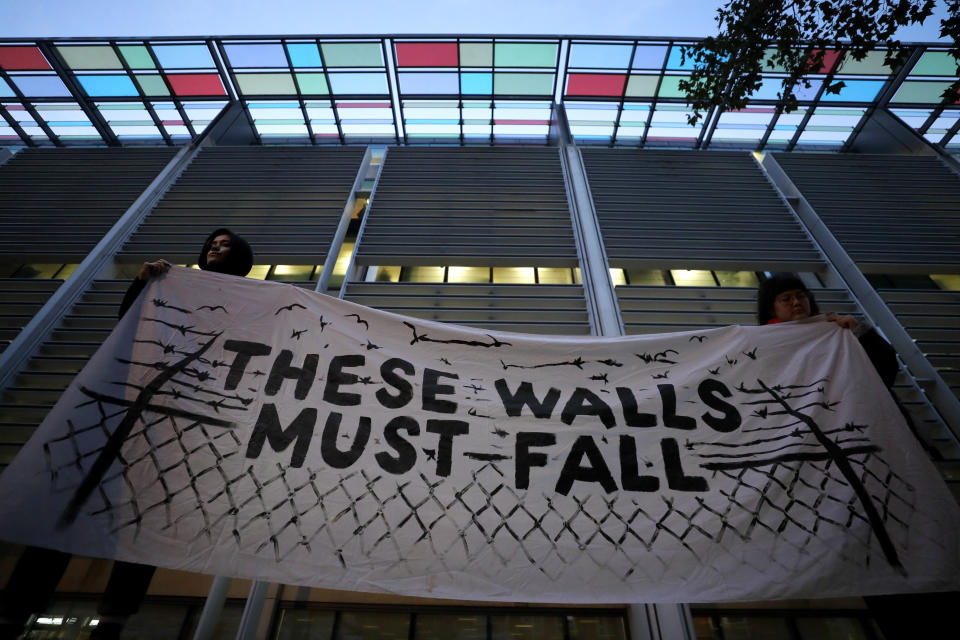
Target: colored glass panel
[523, 84]
[596, 84]
[476, 83]
[768, 90]
[358, 83]
[872, 64]
[649, 57]
[196, 84]
[90, 57]
[769, 64]
[670, 87]
[108, 86]
[674, 62]
[476, 54]
[427, 54]
[312, 83]
[745, 126]
[642, 86]
[41, 86]
[525, 54]
[152, 85]
[201, 114]
[137, 56]
[260, 56]
[919, 91]
[429, 83]
[855, 91]
[5, 90]
[913, 117]
[805, 93]
[304, 54]
[183, 56]
[830, 58]
[600, 56]
[266, 83]
[22, 59]
[352, 54]
[935, 63]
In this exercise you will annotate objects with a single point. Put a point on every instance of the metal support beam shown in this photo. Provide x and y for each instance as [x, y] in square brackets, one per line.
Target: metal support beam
[595, 271]
[661, 622]
[936, 390]
[250, 620]
[212, 608]
[25, 345]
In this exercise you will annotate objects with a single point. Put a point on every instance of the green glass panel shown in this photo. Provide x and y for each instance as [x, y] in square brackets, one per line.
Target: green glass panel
[352, 54]
[871, 65]
[920, 92]
[312, 83]
[137, 56]
[523, 84]
[515, 54]
[670, 88]
[95, 57]
[767, 62]
[266, 83]
[152, 85]
[935, 63]
[642, 86]
[476, 54]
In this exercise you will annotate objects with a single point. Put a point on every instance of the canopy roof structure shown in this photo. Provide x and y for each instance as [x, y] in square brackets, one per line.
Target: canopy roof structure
[439, 90]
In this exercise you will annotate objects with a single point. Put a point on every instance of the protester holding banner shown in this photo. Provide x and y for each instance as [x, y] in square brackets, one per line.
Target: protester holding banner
[38, 570]
[784, 297]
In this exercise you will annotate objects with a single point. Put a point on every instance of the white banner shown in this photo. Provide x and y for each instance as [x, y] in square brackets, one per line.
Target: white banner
[253, 429]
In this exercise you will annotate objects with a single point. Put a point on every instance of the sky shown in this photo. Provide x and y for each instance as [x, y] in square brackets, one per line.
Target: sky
[137, 18]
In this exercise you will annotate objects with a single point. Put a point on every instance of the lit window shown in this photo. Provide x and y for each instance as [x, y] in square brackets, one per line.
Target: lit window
[346, 250]
[654, 277]
[618, 276]
[948, 281]
[737, 278]
[468, 274]
[514, 275]
[388, 274]
[66, 270]
[692, 278]
[259, 271]
[291, 272]
[555, 275]
[37, 271]
[423, 274]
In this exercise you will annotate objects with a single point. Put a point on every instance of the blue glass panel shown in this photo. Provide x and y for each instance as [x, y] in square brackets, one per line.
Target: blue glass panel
[673, 62]
[649, 57]
[5, 90]
[41, 86]
[803, 93]
[256, 55]
[600, 56]
[429, 83]
[305, 55]
[476, 83]
[184, 56]
[769, 88]
[362, 83]
[855, 91]
[108, 85]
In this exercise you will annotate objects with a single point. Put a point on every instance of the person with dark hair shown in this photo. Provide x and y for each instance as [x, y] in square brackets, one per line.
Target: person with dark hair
[784, 297]
[223, 252]
[37, 572]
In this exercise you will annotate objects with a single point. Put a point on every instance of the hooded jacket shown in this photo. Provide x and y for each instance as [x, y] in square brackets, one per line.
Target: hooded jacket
[238, 262]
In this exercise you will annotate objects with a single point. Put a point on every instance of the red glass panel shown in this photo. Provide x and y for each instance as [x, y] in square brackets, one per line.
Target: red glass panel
[830, 59]
[22, 59]
[427, 54]
[196, 84]
[596, 84]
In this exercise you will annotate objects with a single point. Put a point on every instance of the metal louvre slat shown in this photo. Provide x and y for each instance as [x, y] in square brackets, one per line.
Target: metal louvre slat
[286, 201]
[20, 299]
[540, 308]
[687, 209]
[472, 206]
[58, 203]
[889, 211]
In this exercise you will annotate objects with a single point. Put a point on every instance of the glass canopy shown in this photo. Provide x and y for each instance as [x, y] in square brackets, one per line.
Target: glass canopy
[440, 90]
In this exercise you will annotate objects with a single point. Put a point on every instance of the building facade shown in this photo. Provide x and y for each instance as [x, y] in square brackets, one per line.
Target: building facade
[539, 185]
